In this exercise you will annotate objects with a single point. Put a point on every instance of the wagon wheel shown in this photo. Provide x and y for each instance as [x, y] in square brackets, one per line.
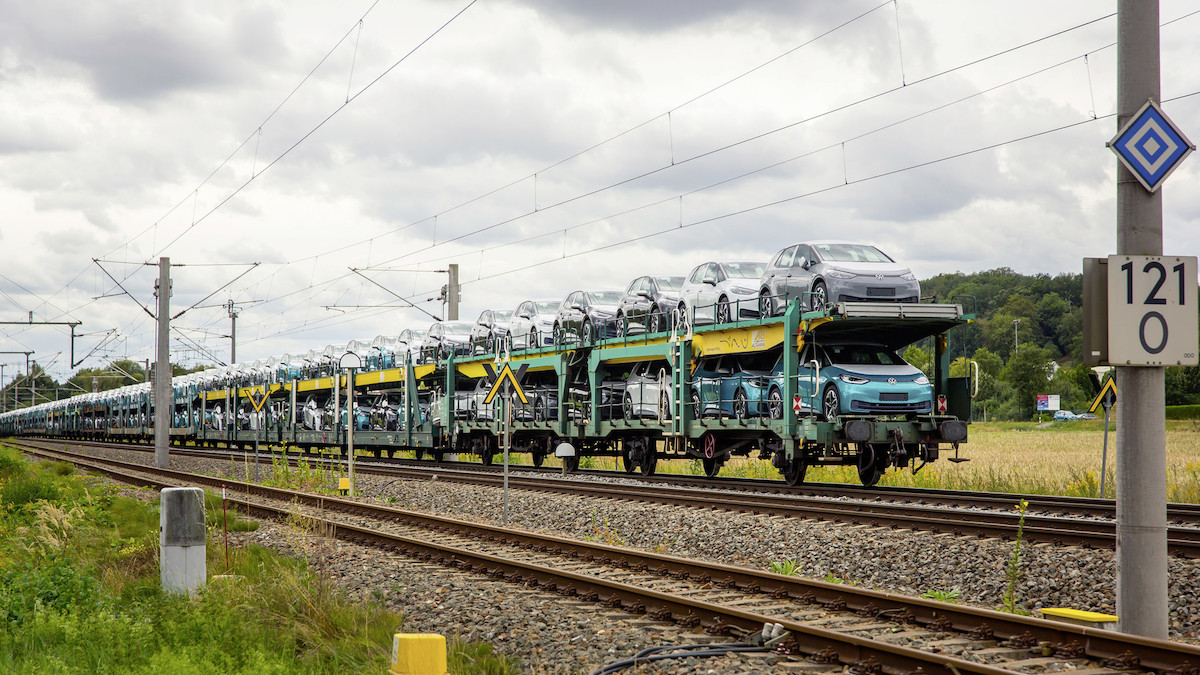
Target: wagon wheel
[649, 458]
[570, 464]
[712, 466]
[793, 472]
[419, 453]
[627, 462]
[538, 458]
[869, 465]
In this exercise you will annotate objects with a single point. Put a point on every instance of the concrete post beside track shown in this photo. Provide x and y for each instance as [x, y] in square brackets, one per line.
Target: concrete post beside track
[1141, 427]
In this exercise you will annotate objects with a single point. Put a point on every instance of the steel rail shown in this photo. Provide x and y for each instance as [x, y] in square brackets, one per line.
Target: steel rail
[1101, 534]
[1096, 644]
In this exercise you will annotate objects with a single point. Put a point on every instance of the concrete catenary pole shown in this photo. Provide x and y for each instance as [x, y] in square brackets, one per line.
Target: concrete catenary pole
[452, 292]
[233, 315]
[163, 402]
[1141, 429]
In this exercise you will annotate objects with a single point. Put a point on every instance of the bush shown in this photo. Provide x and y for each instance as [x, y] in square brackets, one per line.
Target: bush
[1183, 412]
[58, 584]
[12, 463]
[21, 490]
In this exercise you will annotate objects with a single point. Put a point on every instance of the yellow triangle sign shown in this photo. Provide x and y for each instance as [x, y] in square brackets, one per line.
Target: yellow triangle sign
[1110, 386]
[506, 373]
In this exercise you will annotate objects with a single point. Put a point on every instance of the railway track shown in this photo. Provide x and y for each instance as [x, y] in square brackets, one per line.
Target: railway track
[941, 513]
[833, 626]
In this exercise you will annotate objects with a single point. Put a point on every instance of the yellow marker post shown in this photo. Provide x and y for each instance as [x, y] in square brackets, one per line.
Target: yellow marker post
[1081, 617]
[1107, 397]
[418, 654]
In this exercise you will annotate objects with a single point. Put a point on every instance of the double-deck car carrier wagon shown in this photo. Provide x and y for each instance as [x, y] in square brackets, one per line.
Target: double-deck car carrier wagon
[804, 389]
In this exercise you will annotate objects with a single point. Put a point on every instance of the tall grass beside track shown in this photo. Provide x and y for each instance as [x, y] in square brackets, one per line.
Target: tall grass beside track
[79, 592]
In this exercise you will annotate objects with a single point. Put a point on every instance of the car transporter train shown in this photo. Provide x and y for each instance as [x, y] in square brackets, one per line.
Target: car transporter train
[807, 388]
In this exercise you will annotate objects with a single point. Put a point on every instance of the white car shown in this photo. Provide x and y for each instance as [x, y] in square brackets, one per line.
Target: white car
[720, 292]
[532, 324]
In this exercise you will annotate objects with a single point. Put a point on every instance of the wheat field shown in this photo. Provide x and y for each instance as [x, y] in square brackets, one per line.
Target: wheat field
[1060, 458]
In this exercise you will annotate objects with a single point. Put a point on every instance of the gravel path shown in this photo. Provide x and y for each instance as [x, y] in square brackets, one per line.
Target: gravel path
[898, 561]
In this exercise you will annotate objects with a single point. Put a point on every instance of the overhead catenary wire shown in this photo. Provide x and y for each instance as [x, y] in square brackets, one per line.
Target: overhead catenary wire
[680, 225]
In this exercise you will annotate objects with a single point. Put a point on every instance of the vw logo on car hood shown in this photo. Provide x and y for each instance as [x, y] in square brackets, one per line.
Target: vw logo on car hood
[891, 380]
[878, 276]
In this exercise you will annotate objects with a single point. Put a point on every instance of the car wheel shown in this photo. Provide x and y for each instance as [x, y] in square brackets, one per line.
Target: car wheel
[556, 332]
[622, 327]
[533, 340]
[627, 407]
[831, 403]
[664, 406]
[820, 296]
[655, 320]
[765, 305]
[473, 413]
[539, 414]
[741, 406]
[586, 332]
[696, 409]
[683, 314]
[722, 310]
[775, 403]
[491, 344]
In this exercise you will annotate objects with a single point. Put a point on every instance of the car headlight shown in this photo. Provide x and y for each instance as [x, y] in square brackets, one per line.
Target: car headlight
[852, 379]
[921, 380]
[839, 274]
[742, 290]
[908, 276]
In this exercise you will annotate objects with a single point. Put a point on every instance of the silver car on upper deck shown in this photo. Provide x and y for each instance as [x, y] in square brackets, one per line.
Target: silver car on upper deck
[820, 272]
[720, 292]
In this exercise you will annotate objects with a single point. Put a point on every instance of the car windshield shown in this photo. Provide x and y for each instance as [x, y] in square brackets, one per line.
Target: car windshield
[744, 270]
[604, 297]
[546, 307]
[457, 328]
[863, 355]
[851, 253]
[503, 314]
[669, 283]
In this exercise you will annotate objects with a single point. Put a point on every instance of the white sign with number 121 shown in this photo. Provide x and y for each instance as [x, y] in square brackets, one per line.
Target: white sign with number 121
[1152, 310]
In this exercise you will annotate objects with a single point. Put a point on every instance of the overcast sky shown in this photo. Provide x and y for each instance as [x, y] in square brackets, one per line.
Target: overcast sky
[543, 145]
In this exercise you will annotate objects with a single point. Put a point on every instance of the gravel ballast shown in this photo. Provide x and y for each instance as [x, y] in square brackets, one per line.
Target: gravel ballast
[899, 561]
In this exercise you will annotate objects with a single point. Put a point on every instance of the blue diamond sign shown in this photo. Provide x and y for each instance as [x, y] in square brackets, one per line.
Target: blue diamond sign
[1151, 146]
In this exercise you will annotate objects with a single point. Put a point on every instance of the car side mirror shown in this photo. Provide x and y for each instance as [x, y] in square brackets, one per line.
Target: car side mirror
[644, 294]
[802, 263]
[711, 281]
[576, 305]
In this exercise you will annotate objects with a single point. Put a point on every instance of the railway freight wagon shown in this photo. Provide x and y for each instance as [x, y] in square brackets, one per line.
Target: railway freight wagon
[804, 389]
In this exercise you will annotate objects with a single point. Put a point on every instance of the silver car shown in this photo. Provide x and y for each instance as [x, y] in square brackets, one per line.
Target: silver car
[820, 272]
[532, 324]
[720, 292]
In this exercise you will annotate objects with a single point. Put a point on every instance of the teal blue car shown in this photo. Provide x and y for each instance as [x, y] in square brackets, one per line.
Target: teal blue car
[861, 379]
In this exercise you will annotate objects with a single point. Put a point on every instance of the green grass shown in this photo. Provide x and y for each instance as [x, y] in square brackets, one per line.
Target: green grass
[79, 592]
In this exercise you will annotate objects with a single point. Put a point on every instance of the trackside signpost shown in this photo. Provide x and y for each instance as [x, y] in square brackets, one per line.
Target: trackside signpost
[257, 398]
[1152, 310]
[1107, 397]
[512, 385]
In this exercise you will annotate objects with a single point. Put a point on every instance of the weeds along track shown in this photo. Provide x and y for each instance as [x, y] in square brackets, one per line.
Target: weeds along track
[833, 626]
[962, 514]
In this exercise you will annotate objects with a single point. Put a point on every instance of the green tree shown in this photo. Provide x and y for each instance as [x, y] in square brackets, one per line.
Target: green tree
[1028, 373]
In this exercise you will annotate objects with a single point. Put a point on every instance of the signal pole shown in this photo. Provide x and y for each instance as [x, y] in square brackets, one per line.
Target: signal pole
[164, 403]
[233, 315]
[452, 291]
[1141, 429]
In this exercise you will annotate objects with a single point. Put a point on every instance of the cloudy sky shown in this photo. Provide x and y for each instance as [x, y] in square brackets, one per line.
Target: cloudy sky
[542, 145]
